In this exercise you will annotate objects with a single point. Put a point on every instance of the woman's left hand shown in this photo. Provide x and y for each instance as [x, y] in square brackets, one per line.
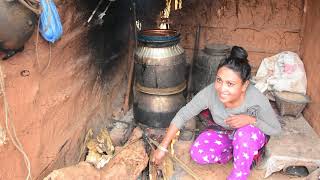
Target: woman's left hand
[238, 121]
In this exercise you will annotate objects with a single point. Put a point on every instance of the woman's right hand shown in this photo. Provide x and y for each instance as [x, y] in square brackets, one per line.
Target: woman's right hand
[158, 156]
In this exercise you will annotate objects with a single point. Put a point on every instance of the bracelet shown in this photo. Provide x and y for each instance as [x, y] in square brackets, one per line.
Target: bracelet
[162, 148]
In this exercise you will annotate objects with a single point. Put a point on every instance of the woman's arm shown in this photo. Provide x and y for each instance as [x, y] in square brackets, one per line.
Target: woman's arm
[193, 108]
[160, 153]
[260, 108]
[198, 103]
[267, 120]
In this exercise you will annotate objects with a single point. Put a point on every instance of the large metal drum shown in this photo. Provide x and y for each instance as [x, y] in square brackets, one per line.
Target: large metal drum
[159, 59]
[206, 64]
[160, 68]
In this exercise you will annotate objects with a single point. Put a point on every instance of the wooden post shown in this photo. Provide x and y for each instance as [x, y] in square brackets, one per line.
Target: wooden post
[195, 54]
[131, 61]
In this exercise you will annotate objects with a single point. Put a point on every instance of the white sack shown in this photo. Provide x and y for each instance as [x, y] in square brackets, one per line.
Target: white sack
[282, 72]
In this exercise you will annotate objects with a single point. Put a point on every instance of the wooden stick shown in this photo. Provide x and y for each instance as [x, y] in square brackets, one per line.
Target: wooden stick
[195, 54]
[173, 157]
[131, 59]
[152, 169]
[129, 85]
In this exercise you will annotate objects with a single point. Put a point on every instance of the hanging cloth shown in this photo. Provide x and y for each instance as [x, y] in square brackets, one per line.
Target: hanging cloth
[50, 24]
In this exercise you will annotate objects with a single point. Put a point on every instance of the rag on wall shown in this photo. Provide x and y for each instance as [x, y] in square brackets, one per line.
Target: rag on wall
[50, 24]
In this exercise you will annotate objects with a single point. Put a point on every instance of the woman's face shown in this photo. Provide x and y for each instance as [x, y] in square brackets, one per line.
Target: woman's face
[230, 88]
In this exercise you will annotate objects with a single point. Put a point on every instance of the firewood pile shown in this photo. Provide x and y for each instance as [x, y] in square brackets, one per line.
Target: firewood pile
[120, 152]
[126, 162]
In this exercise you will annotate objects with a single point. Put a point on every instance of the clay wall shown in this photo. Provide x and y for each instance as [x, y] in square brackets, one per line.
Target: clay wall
[55, 98]
[262, 27]
[311, 59]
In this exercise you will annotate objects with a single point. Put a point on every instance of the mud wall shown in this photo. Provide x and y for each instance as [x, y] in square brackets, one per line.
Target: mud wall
[264, 28]
[56, 97]
[311, 58]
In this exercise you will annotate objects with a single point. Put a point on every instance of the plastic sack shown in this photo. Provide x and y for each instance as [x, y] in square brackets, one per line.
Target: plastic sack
[50, 24]
[282, 72]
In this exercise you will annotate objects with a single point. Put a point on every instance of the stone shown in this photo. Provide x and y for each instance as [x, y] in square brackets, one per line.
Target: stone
[121, 129]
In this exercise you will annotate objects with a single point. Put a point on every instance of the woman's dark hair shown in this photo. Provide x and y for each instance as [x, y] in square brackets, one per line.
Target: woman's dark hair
[238, 62]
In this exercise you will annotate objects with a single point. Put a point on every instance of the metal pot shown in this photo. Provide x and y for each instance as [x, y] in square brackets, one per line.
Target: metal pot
[156, 110]
[17, 24]
[159, 59]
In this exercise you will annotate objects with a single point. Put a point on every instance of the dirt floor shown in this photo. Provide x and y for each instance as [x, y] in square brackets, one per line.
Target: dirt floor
[207, 172]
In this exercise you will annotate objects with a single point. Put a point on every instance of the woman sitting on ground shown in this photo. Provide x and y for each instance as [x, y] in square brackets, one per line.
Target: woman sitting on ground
[242, 111]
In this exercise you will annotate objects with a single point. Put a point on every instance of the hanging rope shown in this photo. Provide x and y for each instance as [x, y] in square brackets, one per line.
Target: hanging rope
[11, 128]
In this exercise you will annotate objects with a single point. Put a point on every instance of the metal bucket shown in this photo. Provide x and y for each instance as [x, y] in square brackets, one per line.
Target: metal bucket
[157, 107]
[17, 24]
[206, 64]
[159, 59]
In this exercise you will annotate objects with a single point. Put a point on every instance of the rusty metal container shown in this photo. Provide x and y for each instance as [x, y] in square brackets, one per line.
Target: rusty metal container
[159, 60]
[206, 64]
[157, 107]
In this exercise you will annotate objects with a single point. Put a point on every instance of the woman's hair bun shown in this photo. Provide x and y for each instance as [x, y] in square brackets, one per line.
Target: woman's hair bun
[239, 52]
